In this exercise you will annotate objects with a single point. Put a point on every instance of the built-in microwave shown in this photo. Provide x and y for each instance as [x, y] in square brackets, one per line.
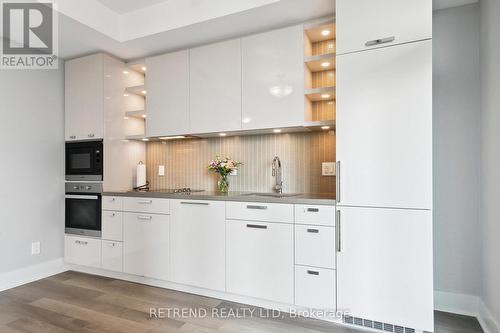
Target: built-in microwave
[84, 160]
[83, 209]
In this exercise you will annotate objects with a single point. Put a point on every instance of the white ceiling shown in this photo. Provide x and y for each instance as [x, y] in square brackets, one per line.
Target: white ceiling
[126, 6]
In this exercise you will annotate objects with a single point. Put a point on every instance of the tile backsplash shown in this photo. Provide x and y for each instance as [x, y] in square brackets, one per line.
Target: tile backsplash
[301, 156]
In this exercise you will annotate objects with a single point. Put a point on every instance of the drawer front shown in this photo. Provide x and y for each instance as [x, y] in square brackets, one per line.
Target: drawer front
[315, 215]
[315, 246]
[112, 225]
[315, 288]
[147, 205]
[82, 251]
[112, 203]
[253, 211]
[112, 256]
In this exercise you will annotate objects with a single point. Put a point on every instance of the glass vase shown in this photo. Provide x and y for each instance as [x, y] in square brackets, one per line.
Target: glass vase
[223, 184]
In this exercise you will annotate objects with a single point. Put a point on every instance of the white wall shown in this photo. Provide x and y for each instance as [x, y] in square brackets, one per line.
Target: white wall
[490, 171]
[31, 167]
[456, 150]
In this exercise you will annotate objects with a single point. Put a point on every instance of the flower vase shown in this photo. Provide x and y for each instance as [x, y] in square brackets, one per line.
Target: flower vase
[223, 184]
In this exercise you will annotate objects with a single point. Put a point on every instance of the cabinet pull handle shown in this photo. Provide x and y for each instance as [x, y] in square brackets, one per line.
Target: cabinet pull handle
[256, 226]
[110, 244]
[313, 231]
[112, 199]
[112, 214]
[337, 181]
[339, 232]
[72, 136]
[81, 242]
[145, 202]
[144, 217]
[312, 210]
[195, 203]
[256, 207]
[380, 41]
[313, 272]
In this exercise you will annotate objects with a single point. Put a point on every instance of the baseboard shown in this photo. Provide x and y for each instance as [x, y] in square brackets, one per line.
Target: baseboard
[31, 273]
[487, 320]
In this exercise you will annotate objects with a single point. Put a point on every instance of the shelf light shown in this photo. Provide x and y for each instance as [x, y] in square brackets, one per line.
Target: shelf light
[325, 96]
[325, 64]
[277, 130]
[325, 127]
[325, 32]
[172, 137]
[145, 139]
[222, 134]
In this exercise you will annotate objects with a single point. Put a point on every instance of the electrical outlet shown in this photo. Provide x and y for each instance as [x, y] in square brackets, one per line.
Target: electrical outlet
[35, 248]
[161, 170]
[328, 169]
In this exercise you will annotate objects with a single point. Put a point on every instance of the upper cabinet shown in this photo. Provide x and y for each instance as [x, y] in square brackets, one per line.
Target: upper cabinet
[384, 127]
[367, 24]
[273, 79]
[84, 98]
[215, 87]
[167, 86]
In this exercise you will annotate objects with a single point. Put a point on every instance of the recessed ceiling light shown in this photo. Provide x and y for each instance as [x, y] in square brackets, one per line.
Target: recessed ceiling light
[325, 32]
[325, 127]
[172, 137]
[325, 96]
[144, 116]
[144, 92]
[125, 72]
[277, 130]
[143, 68]
[325, 64]
[125, 95]
[222, 134]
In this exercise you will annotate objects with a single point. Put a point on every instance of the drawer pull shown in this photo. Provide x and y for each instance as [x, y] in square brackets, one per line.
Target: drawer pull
[112, 199]
[112, 215]
[313, 231]
[145, 202]
[256, 207]
[110, 244]
[312, 210]
[380, 41]
[256, 226]
[81, 242]
[144, 217]
[313, 272]
[195, 203]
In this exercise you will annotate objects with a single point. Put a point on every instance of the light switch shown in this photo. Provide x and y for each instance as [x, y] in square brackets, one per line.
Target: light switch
[161, 170]
[328, 169]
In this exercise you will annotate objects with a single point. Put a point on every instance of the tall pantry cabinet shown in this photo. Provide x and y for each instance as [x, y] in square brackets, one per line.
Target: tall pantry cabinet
[384, 163]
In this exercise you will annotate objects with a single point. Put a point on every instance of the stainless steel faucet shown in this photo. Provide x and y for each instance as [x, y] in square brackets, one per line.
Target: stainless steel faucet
[278, 188]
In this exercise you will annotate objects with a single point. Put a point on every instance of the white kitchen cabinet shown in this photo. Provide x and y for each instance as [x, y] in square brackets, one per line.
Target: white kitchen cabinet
[260, 260]
[112, 225]
[315, 288]
[146, 205]
[146, 245]
[315, 246]
[198, 243]
[367, 24]
[259, 211]
[384, 127]
[215, 87]
[167, 101]
[384, 265]
[315, 215]
[82, 251]
[84, 114]
[112, 203]
[273, 79]
[112, 255]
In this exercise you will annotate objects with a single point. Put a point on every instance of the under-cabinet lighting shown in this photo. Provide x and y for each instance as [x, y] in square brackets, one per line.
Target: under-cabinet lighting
[325, 96]
[144, 116]
[325, 64]
[277, 130]
[325, 127]
[222, 134]
[144, 92]
[145, 139]
[172, 137]
[143, 68]
[125, 72]
[325, 32]
[125, 95]
[126, 118]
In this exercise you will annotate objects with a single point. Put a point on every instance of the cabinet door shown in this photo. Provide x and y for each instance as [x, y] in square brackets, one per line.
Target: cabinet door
[384, 265]
[84, 117]
[146, 245]
[260, 260]
[273, 79]
[82, 251]
[198, 243]
[215, 87]
[384, 127]
[367, 24]
[112, 255]
[167, 102]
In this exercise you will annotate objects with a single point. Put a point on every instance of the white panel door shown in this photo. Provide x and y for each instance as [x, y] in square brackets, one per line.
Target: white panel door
[215, 87]
[273, 79]
[84, 98]
[384, 127]
[260, 260]
[146, 245]
[384, 265]
[198, 243]
[82, 251]
[367, 24]
[167, 101]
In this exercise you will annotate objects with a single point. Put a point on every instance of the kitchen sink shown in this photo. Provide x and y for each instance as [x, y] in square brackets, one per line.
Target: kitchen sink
[273, 195]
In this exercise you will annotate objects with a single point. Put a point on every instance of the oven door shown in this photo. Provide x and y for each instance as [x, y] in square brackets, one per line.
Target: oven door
[84, 161]
[83, 215]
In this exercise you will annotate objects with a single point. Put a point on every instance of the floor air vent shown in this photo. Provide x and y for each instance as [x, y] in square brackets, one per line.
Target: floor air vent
[383, 327]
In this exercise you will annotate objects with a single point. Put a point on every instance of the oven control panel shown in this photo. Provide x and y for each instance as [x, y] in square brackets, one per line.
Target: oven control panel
[83, 187]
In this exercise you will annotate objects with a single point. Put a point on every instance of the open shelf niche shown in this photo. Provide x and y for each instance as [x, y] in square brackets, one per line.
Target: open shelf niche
[319, 71]
[135, 105]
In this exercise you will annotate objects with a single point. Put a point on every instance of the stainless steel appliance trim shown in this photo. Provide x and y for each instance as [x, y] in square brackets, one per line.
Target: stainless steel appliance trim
[83, 197]
[84, 177]
[83, 232]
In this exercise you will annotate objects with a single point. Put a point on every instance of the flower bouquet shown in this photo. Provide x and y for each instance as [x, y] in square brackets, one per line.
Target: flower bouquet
[223, 167]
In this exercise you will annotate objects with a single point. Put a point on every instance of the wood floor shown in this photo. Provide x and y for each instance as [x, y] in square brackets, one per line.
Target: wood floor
[76, 302]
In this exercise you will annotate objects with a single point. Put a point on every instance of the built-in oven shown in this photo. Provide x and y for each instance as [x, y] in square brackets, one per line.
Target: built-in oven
[84, 161]
[83, 209]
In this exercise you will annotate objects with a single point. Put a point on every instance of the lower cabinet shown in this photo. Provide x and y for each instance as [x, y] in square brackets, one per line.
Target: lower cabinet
[82, 251]
[146, 245]
[112, 255]
[198, 243]
[384, 265]
[315, 288]
[260, 260]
